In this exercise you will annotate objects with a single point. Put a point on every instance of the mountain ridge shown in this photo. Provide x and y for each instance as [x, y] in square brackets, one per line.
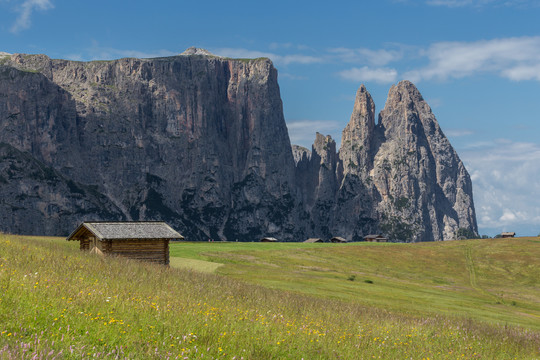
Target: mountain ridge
[201, 142]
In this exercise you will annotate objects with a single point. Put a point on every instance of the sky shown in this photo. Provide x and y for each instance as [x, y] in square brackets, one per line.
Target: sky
[476, 62]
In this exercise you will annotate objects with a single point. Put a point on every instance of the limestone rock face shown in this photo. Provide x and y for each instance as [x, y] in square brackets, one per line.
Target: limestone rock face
[355, 214]
[400, 177]
[35, 199]
[357, 138]
[300, 153]
[198, 141]
[418, 173]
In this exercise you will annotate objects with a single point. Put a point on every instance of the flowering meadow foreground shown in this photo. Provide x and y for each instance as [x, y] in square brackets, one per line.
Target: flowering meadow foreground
[59, 303]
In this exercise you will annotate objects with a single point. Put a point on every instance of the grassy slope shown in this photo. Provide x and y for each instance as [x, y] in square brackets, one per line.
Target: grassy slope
[495, 280]
[57, 300]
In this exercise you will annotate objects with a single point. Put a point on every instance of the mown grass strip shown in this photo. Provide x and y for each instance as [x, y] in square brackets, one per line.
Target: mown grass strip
[194, 264]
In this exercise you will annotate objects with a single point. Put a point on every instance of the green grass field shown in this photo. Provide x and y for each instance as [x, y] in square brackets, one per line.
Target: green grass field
[494, 280]
[457, 300]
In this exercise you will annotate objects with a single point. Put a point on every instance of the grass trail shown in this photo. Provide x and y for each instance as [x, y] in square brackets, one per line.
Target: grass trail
[472, 276]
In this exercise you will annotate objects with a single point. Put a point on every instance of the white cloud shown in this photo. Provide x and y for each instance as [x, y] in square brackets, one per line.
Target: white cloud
[284, 75]
[276, 58]
[378, 57]
[302, 132]
[458, 132]
[275, 45]
[74, 57]
[508, 216]
[365, 73]
[511, 58]
[25, 11]
[505, 185]
[516, 59]
[523, 72]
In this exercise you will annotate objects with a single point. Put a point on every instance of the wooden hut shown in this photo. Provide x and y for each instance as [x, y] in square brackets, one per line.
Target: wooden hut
[337, 239]
[375, 238]
[508, 234]
[269, 239]
[141, 240]
[314, 240]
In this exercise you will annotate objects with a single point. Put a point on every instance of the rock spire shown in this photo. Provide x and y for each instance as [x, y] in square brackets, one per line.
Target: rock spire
[400, 177]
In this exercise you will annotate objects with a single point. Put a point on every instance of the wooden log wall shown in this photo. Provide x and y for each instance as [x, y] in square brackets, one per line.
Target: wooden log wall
[85, 244]
[154, 250]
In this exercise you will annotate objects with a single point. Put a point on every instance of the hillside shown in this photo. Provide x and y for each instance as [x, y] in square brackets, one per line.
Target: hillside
[56, 301]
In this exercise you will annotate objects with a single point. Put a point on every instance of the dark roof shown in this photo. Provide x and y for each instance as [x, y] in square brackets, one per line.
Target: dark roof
[374, 236]
[314, 240]
[127, 230]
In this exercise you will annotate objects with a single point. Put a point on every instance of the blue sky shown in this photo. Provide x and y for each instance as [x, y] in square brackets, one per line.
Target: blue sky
[477, 63]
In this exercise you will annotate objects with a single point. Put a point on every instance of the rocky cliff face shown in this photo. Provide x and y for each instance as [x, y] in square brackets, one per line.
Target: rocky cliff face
[400, 177]
[200, 142]
[37, 199]
[196, 140]
[418, 173]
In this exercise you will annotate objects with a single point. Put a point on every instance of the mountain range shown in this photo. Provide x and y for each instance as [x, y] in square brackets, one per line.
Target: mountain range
[200, 141]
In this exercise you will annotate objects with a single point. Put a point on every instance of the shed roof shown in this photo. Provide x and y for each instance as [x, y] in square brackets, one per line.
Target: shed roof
[314, 240]
[372, 236]
[338, 239]
[508, 233]
[127, 230]
[269, 239]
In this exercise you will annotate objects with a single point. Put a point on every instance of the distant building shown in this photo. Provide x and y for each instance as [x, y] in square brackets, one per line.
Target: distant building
[337, 239]
[140, 240]
[508, 234]
[314, 240]
[375, 238]
[269, 239]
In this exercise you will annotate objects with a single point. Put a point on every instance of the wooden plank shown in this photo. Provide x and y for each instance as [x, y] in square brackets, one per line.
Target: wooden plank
[84, 244]
[151, 250]
[167, 252]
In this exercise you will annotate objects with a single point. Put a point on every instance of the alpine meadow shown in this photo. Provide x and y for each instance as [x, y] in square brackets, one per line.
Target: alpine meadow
[474, 299]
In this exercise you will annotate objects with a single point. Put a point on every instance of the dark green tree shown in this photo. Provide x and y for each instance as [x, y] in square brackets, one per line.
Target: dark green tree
[465, 233]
